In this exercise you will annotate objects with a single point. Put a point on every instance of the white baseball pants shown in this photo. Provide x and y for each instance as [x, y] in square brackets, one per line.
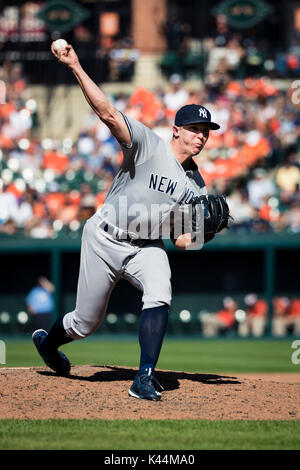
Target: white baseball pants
[104, 260]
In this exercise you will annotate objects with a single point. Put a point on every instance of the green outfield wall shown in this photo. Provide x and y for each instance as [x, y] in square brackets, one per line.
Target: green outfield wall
[230, 265]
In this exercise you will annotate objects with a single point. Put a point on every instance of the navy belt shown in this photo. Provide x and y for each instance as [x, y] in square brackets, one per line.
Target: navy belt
[119, 234]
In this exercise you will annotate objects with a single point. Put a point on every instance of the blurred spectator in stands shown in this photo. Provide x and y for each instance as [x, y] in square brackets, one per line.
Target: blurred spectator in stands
[55, 199]
[290, 219]
[289, 127]
[286, 316]
[76, 161]
[40, 304]
[176, 33]
[82, 37]
[214, 84]
[101, 195]
[288, 123]
[226, 60]
[121, 102]
[220, 111]
[292, 320]
[269, 211]
[222, 33]
[88, 202]
[95, 154]
[29, 158]
[162, 128]
[94, 159]
[176, 96]
[24, 211]
[260, 187]
[122, 60]
[15, 80]
[242, 210]
[55, 160]
[69, 212]
[259, 224]
[40, 228]
[17, 123]
[9, 227]
[256, 316]
[222, 321]
[108, 167]
[235, 53]
[225, 54]
[280, 311]
[8, 205]
[146, 106]
[96, 129]
[85, 144]
[288, 176]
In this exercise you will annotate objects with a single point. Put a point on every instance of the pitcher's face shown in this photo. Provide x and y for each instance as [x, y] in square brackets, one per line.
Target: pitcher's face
[192, 137]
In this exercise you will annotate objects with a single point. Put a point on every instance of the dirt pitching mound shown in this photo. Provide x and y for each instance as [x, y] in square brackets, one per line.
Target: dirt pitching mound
[102, 392]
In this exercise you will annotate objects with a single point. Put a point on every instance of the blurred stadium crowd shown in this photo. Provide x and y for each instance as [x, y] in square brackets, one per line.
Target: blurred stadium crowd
[246, 317]
[250, 317]
[227, 51]
[48, 187]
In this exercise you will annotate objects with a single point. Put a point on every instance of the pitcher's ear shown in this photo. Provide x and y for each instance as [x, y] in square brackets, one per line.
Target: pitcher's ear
[175, 130]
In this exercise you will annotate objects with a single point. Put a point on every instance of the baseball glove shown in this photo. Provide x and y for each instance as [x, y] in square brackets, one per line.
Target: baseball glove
[216, 214]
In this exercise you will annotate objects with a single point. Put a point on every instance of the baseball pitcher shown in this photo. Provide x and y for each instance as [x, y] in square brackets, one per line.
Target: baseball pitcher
[158, 186]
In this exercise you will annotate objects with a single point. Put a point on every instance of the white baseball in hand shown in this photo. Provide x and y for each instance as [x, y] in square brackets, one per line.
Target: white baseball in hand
[59, 44]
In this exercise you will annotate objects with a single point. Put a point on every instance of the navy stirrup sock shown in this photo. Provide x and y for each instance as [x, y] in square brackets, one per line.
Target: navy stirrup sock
[153, 325]
[56, 336]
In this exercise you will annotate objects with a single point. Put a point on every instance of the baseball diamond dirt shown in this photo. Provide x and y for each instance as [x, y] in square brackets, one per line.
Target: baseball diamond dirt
[102, 392]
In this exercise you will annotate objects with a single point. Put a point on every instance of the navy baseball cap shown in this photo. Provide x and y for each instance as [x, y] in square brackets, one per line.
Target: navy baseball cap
[194, 114]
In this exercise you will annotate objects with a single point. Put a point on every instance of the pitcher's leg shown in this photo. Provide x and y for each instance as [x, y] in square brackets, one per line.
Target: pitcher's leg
[149, 270]
[95, 284]
[153, 325]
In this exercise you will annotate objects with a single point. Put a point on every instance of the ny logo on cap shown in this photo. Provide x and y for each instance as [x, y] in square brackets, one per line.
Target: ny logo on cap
[203, 113]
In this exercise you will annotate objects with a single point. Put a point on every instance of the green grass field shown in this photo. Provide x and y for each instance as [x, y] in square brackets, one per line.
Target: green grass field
[207, 356]
[148, 434]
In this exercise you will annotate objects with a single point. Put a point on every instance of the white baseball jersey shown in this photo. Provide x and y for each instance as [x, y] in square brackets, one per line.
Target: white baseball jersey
[150, 177]
[150, 180]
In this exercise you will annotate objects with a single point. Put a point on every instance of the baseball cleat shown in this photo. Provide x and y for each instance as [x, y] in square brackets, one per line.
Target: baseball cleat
[56, 360]
[142, 386]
